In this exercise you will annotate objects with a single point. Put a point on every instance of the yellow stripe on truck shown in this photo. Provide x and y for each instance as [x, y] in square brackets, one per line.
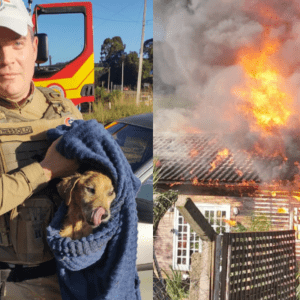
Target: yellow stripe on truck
[73, 85]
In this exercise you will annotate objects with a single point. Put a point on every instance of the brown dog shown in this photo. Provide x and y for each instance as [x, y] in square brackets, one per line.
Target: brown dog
[89, 196]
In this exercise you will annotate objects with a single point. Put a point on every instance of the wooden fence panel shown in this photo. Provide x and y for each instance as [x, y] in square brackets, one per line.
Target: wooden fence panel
[258, 266]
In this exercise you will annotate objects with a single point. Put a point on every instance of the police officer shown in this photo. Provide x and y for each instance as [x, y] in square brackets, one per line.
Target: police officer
[26, 112]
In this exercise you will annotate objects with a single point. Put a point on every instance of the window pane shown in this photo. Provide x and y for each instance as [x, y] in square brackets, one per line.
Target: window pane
[136, 143]
[191, 242]
[64, 45]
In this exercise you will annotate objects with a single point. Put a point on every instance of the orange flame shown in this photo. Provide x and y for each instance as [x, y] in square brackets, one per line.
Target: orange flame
[192, 130]
[265, 104]
[194, 153]
[175, 183]
[231, 223]
[192, 171]
[239, 172]
[219, 158]
[195, 181]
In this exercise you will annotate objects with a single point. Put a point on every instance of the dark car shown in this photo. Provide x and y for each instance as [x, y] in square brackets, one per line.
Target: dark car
[135, 136]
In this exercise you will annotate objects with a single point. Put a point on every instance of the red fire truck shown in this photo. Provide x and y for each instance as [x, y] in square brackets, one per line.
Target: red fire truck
[74, 79]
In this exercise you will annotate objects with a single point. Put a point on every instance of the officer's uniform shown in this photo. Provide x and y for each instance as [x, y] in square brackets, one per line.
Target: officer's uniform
[26, 201]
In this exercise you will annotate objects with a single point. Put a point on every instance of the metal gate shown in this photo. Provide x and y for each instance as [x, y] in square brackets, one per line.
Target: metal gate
[258, 266]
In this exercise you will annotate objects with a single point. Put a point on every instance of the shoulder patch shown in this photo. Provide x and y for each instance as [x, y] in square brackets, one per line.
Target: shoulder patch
[69, 121]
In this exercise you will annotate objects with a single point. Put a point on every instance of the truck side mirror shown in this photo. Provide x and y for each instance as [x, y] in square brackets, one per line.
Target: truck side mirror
[43, 52]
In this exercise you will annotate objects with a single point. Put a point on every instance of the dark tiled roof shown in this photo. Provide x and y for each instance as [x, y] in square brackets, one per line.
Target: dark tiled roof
[204, 158]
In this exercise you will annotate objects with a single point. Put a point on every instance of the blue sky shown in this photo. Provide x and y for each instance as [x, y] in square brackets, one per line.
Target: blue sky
[110, 18]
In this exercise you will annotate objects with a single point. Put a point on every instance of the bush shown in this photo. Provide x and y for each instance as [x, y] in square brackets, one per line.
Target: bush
[104, 96]
[174, 285]
[101, 94]
[257, 223]
[119, 108]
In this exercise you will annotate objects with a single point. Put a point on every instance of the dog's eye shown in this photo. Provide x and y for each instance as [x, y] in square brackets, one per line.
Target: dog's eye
[90, 190]
[111, 193]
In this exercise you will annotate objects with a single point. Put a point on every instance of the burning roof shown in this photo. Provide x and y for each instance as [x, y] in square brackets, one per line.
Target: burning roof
[236, 77]
[208, 158]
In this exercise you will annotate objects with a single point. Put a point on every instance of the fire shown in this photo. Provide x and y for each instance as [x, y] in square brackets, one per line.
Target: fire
[239, 172]
[195, 181]
[265, 104]
[192, 130]
[175, 183]
[219, 158]
[192, 171]
[231, 223]
[194, 153]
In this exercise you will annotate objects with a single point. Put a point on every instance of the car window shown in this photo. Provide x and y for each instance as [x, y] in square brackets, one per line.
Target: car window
[146, 190]
[136, 143]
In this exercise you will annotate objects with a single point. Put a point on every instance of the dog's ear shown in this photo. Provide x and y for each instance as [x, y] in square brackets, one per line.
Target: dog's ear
[66, 186]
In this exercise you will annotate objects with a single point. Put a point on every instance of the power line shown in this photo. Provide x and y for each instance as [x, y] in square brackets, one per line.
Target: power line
[125, 21]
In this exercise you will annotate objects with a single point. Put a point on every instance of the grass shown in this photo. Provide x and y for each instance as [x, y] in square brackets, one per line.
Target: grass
[174, 285]
[119, 109]
[98, 69]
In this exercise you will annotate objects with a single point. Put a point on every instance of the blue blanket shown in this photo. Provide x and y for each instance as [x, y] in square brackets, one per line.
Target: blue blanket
[102, 265]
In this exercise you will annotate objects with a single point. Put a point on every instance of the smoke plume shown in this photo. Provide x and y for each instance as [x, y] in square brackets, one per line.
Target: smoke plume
[197, 44]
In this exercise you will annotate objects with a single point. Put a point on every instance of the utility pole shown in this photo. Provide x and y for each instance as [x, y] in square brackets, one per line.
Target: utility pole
[122, 84]
[108, 79]
[141, 57]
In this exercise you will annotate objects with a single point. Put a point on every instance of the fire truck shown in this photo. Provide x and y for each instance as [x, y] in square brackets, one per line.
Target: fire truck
[73, 79]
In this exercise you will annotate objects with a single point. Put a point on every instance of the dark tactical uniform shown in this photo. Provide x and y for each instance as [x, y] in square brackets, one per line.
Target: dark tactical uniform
[28, 202]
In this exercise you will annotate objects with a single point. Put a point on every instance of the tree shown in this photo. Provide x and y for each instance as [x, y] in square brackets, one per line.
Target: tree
[131, 67]
[111, 51]
[148, 61]
[112, 55]
[148, 50]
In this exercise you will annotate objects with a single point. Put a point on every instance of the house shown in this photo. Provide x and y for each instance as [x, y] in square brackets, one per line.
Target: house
[229, 187]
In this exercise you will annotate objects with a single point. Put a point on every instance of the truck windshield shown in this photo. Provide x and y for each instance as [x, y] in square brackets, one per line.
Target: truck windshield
[64, 45]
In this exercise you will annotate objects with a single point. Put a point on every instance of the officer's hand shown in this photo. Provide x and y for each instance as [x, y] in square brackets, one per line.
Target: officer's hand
[55, 165]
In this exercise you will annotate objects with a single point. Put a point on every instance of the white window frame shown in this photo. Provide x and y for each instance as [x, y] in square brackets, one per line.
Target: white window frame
[202, 207]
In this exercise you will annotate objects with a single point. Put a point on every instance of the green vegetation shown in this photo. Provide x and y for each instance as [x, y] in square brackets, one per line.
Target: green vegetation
[120, 108]
[162, 200]
[174, 285]
[97, 69]
[257, 223]
[113, 56]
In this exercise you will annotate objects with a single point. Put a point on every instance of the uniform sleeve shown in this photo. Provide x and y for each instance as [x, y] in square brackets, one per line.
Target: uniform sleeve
[17, 187]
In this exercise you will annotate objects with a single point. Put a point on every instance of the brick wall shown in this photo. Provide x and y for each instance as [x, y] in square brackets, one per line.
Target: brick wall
[163, 242]
[247, 206]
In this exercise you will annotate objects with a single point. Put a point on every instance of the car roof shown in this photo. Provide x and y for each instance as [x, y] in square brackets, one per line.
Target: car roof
[142, 120]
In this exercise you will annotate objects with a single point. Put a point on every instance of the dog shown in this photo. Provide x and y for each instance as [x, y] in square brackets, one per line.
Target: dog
[88, 197]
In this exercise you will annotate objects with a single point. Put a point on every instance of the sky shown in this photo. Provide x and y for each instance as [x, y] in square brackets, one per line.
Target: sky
[110, 18]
